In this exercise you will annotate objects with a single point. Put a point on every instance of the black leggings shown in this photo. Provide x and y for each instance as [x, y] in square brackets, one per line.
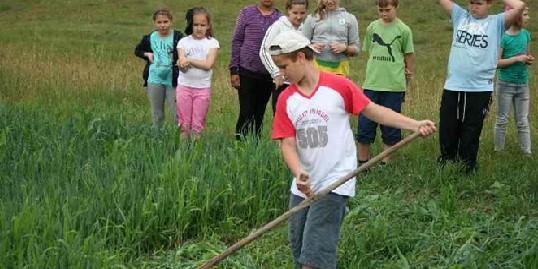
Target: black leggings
[253, 94]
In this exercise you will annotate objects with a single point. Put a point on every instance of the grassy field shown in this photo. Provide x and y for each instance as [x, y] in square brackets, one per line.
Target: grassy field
[85, 182]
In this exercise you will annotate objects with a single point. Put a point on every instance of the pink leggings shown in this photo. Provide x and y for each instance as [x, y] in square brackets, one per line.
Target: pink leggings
[192, 105]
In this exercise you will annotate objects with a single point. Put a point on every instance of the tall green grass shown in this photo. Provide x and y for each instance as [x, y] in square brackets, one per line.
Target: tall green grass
[85, 181]
[126, 186]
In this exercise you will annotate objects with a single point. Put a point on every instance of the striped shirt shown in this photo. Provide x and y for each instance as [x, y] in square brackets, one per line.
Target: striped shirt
[249, 31]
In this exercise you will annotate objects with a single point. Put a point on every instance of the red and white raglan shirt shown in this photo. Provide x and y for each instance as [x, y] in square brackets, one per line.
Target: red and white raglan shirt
[320, 125]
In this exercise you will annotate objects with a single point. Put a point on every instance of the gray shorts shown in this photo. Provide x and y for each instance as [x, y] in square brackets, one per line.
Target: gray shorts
[314, 231]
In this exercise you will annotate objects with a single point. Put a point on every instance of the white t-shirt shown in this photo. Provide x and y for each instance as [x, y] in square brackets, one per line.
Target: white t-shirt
[320, 125]
[196, 49]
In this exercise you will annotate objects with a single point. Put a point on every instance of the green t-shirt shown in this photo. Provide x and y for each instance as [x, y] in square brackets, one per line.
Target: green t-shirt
[514, 45]
[386, 45]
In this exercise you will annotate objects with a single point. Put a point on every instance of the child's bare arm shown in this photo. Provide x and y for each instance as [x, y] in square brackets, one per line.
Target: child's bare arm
[502, 63]
[531, 58]
[182, 61]
[388, 117]
[447, 5]
[522, 58]
[149, 56]
[409, 60]
[511, 16]
[288, 146]
[206, 64]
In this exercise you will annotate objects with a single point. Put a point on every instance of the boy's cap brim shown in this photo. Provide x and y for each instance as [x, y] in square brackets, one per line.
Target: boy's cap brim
[287, 42]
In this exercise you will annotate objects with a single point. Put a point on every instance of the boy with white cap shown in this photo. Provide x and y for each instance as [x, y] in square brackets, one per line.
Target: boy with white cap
[312, 124]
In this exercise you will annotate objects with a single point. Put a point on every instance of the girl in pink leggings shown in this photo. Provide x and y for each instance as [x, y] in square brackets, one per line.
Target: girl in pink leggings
[197, 53]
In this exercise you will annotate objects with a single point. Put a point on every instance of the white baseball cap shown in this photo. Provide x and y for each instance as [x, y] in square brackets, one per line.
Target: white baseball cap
[288, 41]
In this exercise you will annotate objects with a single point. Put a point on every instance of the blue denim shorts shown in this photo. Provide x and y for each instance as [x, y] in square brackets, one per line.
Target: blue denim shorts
[314, 231]
[367, 128]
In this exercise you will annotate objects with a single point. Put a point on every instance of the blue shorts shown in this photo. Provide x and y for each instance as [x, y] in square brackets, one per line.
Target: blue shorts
[314, 231]
[367, 128]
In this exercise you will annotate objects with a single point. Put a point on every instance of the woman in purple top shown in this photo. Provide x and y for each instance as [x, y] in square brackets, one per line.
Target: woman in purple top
[248, 74]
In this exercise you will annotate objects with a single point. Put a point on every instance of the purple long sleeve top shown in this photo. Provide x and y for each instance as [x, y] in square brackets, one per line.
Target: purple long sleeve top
[250, 28]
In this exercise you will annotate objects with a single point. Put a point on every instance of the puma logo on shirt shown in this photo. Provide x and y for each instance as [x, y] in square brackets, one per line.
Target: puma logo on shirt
[377, 39]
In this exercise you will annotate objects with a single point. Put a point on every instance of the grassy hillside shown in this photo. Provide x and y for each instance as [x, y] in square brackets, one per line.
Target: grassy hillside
[85, 182]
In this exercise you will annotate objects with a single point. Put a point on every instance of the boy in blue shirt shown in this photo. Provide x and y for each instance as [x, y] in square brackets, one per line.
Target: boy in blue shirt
[471, 67]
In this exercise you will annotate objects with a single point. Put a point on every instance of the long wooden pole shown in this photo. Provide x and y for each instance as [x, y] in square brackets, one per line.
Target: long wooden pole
[305, 203]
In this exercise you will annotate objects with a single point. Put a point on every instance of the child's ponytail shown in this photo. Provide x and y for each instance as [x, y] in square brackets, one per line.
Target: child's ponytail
[188, 20]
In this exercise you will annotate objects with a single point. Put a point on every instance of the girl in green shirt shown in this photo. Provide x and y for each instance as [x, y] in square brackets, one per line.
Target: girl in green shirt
[512, 84]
